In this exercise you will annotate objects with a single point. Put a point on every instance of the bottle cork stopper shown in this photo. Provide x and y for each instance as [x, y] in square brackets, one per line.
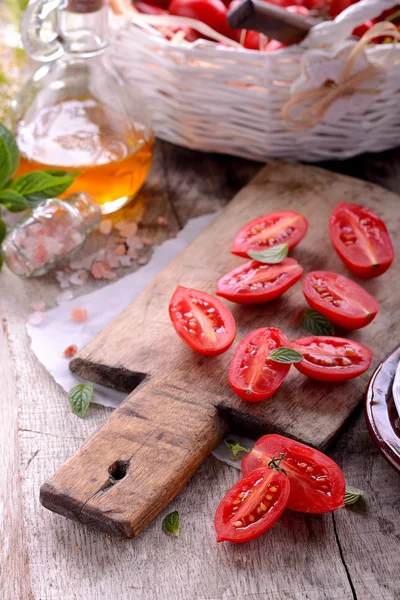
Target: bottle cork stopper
[85, 6]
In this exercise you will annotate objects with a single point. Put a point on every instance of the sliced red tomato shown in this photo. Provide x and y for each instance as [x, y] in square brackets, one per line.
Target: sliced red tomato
[284, 227]
[211, 12]
[256, 282]
[329, 358]
[317, 484]
[361, 239]
[252, 505]
[251, 375]
[202, 321]
[341, 300]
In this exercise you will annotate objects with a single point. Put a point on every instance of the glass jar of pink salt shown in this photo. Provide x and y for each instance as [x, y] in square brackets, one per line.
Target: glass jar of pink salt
[50, 234]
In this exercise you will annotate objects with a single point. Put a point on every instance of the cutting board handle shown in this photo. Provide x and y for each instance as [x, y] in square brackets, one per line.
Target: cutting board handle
[133, 466]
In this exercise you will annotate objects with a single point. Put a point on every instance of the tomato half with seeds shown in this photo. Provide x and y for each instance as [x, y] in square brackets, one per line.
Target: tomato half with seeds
[252, 505]
[329, 358]
[341, 300]
[202, 321]
[251, 375]
[284, 227]
[317, 484]
[361, 239]
[256, 282]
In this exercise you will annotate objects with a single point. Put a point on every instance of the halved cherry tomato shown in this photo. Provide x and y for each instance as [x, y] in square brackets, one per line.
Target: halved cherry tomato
[202, 321]
[252, 505]
[251, 375]
[361, 239]
[341, 300]
[256, 282]
[284, 227]
[317, 484]
[329, 358]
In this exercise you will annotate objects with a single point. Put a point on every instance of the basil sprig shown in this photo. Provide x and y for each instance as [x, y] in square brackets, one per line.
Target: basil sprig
[25, 191]
[235, 448]
[285, 355]
[316, 323]
[171, 523]
[271, 256]
[352, 495]
[80, 397]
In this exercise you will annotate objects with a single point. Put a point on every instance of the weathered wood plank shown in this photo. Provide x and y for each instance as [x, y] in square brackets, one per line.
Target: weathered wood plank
[305, 565]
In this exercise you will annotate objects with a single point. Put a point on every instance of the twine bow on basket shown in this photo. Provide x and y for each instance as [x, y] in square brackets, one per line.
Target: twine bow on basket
[312, 104]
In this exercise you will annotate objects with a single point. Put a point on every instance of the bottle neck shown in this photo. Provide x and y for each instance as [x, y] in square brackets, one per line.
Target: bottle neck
[84, 27]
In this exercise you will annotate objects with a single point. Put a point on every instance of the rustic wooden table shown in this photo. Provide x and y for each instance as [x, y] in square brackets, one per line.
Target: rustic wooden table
[353, 553]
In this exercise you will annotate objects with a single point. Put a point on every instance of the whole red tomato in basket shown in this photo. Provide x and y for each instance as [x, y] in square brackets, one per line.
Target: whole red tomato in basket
[210, 12]
[150, 9]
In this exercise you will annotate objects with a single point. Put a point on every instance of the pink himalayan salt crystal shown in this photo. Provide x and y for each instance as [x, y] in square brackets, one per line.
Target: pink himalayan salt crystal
[142, 260]
[132, 252]
[105, 226]
[79, 314]
[70, 351]
[38, 306]
[36, 318]
[134, 242]
[147, 241]
[126, 228]
[120, 250]
[162, 221]
[63, 279]
[100, 270]
[125, 261]
[112, 260]
[79, 277]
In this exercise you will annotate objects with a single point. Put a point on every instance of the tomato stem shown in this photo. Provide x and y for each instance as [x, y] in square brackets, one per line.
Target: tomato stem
[275, 463]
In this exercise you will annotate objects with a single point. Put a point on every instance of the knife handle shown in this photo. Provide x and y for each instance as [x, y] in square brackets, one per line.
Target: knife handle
[273, 21]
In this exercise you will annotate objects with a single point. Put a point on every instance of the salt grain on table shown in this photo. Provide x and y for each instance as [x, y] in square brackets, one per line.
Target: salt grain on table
[147, 241]
[134, 241]
[79, 277]
[162, 221]
[70, 351]
[63, 279]
[142, 260]
[36, 318]
[120, 250]
[125, 261]
[79, 314]
[105, 227]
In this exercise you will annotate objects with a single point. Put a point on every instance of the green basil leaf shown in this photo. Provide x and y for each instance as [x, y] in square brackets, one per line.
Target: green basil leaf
[9, 155]
[352, 495]
[235, 448]
[80, 397]
[3, 230]
[40, 185]
[285, 355]
[171, 523]
[316, 323]
[13, 201]
[271, 256]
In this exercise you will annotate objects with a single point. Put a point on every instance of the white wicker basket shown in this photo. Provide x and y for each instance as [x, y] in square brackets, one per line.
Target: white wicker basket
[225, 99]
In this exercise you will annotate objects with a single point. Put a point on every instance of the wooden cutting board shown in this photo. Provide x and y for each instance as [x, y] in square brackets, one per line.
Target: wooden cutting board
[127, 472]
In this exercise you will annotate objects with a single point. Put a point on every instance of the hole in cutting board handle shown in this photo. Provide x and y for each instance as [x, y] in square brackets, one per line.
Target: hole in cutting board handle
[118, 470]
